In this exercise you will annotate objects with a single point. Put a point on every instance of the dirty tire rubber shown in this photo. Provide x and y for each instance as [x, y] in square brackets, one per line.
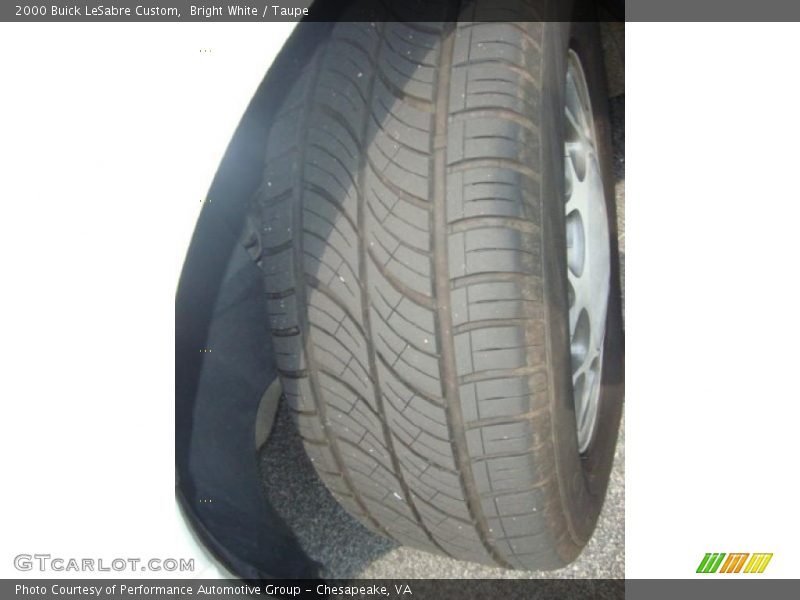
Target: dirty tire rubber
[410, 228]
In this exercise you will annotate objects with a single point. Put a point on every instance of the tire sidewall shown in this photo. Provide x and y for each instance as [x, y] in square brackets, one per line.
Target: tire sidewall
[582, 480]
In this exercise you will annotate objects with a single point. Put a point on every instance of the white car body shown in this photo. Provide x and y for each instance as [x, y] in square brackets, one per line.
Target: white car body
[110, 141]
[238, 77]
[243, 75]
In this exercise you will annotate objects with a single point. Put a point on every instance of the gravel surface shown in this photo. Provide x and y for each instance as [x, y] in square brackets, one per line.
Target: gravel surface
[346, 550]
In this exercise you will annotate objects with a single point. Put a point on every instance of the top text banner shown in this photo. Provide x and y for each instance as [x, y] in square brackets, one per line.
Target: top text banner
[166, 10]
[405, 10]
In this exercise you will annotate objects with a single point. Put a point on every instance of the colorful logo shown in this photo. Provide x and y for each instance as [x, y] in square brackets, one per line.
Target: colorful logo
[734, 562]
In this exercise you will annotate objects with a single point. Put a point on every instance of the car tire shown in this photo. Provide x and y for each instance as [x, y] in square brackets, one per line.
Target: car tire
[412, 234]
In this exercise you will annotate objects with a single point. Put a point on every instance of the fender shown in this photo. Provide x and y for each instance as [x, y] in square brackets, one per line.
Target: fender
[228, 521]
[223, 368]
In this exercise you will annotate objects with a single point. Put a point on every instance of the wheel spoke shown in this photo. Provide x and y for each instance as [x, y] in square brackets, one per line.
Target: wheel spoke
[576, 128]
[579, 188]
[588, 252]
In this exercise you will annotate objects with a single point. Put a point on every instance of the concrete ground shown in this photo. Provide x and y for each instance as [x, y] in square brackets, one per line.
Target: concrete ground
[347, 550]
